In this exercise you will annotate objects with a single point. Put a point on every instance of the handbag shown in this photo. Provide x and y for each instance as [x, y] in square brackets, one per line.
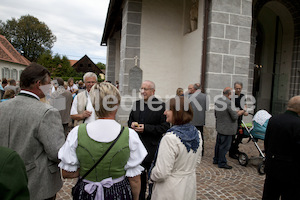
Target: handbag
[78, 191]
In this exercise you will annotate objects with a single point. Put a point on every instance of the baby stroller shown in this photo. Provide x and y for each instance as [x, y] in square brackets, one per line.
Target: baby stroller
[255, 131]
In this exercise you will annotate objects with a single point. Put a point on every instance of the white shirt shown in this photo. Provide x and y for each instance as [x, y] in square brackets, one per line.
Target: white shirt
[72, 88]
[32, 94]
[89, 107]
[103, 130]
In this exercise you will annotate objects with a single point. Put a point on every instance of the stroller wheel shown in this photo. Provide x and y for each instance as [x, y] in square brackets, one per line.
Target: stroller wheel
[243, 159]
[261, 168]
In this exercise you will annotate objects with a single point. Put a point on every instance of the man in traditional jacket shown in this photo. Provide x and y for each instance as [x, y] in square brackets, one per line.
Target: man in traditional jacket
[82, 110]
[34, 130]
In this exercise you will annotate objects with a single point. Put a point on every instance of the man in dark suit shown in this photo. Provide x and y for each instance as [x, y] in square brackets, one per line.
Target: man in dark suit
[34, 130]
[148, 120]
[226, 125]
[198, 103]
[282, 147]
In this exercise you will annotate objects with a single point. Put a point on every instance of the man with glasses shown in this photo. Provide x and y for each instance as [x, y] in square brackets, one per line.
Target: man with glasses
[239, 101]
[82, 110]
[148, 120]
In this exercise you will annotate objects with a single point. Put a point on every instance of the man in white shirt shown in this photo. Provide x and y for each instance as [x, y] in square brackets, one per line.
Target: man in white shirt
[82, 110]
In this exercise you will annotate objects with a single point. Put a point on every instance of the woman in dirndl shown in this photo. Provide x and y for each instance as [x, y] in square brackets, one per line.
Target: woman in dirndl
[117, 176]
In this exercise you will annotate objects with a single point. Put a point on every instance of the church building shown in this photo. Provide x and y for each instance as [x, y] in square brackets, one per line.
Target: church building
[213, 42]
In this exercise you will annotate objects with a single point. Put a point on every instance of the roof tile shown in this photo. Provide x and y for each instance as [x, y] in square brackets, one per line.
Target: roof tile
[10, 54]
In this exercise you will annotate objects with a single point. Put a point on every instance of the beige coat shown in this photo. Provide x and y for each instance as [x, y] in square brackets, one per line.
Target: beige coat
[174, 174]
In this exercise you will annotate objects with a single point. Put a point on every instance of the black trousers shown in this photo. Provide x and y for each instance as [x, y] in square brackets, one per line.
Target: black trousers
[287, 188]
[236, 140]
[200, 128]
[144, 180]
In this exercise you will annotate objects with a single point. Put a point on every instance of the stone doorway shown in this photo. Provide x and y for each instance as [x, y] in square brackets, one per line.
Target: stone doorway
[273, 57]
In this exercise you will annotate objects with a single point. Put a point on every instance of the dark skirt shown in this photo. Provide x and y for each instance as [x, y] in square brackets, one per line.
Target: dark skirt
[118, 191]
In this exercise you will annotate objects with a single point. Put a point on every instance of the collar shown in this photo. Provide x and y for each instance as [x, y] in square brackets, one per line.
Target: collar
[188, 135]
[291, 113]
[28, 94]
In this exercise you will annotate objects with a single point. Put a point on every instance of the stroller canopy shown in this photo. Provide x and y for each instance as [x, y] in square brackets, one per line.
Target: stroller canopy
[261, 117]
[260, 123]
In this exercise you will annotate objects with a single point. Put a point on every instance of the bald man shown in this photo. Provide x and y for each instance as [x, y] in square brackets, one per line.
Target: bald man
[226, 125]
[282, 147]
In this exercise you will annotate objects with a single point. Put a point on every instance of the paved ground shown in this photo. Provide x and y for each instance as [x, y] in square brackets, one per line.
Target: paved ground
[214, 183]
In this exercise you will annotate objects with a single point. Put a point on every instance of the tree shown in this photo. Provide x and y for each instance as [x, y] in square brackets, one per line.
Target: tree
[58, 67]
[28, 35]
[101, 65]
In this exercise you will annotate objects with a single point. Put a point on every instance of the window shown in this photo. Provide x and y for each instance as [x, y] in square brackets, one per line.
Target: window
[14, 74]
[6, 73]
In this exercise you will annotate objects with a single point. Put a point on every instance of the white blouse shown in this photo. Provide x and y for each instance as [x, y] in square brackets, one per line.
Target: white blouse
[103, 130]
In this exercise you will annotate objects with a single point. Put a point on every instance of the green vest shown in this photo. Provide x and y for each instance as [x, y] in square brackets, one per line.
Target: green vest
[89, 152]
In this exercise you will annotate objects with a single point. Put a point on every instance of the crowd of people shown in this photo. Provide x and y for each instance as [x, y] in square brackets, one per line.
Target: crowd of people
[73, 133]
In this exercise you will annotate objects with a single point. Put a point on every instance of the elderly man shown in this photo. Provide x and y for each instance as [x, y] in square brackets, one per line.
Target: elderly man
[198, 103]
[226, 125]
[82, 110]
[282, 147]
[191, 90]
[34, 130]
[239, 104]
[148, 120]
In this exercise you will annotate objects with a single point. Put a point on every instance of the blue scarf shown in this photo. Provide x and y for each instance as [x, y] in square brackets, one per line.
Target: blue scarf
[188, 135]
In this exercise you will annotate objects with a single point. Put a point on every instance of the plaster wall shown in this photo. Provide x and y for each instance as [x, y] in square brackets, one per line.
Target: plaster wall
[7, 68]
[169, 57]
[192, 53]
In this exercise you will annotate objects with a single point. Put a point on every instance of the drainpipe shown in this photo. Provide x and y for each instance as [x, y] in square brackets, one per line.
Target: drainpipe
[204, 48]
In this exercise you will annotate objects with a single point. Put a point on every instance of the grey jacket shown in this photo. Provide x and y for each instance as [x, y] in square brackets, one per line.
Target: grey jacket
[62, 100]
[198, 103]
[34, 130]
[226, 117]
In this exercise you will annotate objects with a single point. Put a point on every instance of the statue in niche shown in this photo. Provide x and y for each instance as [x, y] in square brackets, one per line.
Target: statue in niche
[194, 15]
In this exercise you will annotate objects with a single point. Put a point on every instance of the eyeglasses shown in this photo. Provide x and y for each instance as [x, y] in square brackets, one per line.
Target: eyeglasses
[145, 89]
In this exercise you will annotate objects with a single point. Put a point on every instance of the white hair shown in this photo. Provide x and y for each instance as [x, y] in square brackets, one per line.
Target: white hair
[89, 74]
[152, 84]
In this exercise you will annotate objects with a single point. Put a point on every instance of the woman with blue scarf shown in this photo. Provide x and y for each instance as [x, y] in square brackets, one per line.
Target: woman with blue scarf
[174, 173]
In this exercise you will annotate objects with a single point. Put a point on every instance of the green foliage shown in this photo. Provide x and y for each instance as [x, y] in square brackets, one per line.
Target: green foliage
[28, 35]
[101, 65]
[58, 67]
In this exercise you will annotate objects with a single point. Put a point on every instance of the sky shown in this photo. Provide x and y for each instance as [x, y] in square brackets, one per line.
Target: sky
[77, 24]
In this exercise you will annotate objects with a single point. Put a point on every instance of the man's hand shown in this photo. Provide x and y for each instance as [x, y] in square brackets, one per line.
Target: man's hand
[240, 112]
[134, 125]
[86, 114]
[137, 127]
[140, 128]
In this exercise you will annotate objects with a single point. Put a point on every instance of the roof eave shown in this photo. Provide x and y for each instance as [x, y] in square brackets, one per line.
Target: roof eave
[112, 14]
